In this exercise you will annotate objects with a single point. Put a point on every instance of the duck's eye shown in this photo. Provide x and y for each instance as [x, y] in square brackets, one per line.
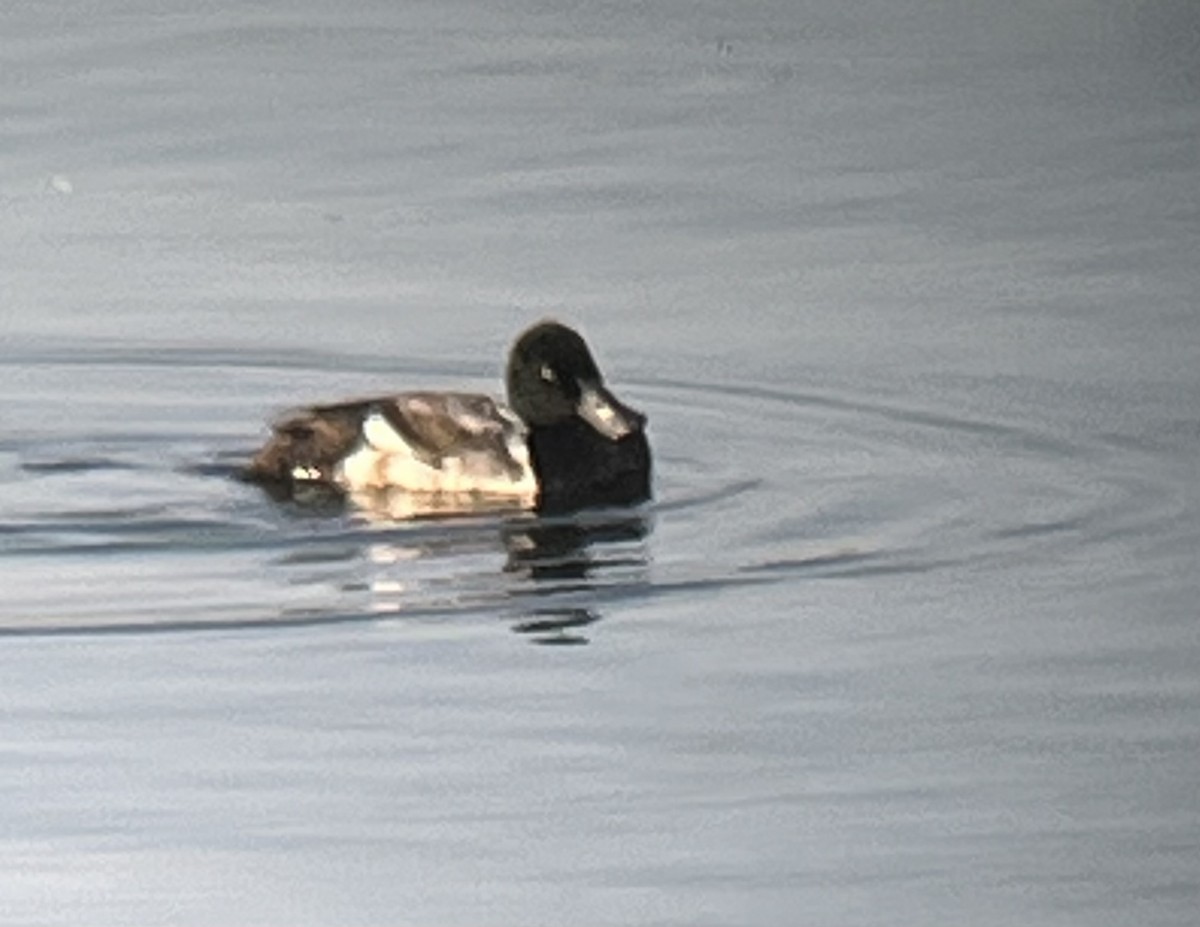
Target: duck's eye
[547, 373]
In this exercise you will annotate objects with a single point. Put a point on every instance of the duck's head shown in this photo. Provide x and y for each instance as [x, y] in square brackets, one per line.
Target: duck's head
[552, 378]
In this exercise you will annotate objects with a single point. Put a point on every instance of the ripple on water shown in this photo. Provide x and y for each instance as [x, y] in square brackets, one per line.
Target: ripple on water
[112, 528]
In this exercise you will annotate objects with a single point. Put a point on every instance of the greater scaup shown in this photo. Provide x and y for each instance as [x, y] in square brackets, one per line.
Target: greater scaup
[563, 442]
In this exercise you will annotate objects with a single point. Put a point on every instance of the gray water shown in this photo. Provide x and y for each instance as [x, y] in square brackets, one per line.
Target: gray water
[909, 633]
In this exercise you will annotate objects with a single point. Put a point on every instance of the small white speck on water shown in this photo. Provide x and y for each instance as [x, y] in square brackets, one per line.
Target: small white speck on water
[61, 183]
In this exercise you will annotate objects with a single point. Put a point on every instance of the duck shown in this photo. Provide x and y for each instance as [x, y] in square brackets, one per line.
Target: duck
[563, 441]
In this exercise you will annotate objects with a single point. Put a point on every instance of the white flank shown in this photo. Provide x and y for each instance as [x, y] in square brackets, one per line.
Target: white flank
[385, 462]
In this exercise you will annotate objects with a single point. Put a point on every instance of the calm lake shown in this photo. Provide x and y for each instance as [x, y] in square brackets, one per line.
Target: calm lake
[910, 633]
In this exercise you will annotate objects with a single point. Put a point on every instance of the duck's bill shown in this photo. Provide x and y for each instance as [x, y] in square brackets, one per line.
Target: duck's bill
[602, 410]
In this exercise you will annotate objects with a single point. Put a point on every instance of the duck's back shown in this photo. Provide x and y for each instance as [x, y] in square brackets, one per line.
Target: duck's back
[418, 442]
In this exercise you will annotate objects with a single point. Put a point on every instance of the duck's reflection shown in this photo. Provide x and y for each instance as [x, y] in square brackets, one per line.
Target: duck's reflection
[573, 550]
[550, 584]
[559, 626]
[572, 560]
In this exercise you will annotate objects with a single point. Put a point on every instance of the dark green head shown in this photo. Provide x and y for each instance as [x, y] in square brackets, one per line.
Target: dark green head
[552, 379]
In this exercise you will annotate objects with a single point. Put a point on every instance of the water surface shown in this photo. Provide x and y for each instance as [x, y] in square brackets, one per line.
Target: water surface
[908, 633]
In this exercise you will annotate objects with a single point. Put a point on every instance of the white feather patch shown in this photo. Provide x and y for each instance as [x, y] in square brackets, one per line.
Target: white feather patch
[379, 433]
[385, 461]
